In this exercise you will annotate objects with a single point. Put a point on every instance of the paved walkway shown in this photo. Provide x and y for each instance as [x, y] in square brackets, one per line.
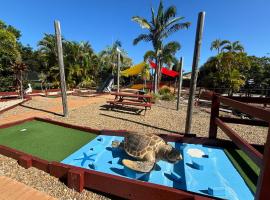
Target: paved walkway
[13, 190]
[46, 107]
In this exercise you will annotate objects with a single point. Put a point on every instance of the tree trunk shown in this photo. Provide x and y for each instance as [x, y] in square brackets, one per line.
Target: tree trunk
[156, 77]
[159, 74]
[21, 84]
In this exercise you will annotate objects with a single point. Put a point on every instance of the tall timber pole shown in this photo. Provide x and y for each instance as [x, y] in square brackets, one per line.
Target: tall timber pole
[118, 68]
[194, 74]
[181, 63]
[61, 66]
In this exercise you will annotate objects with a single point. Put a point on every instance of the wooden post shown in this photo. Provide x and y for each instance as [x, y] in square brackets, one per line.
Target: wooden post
[263, 184]
[156, 77]
[21, 83]
[61, 66]
[118, 70]
[181, 63]
[196, 58]
[214, 114]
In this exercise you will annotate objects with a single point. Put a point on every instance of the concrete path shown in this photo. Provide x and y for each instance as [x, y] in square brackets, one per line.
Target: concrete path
[13, 190]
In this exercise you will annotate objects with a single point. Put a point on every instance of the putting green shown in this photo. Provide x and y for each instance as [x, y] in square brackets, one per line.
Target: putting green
[44, 140]
[245, 166]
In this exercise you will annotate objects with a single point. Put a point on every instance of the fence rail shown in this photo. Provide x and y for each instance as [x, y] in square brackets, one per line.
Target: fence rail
[263, 115]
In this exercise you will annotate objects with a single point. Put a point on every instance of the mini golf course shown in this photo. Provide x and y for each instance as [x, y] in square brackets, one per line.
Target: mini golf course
[44, 140]
[213, 171]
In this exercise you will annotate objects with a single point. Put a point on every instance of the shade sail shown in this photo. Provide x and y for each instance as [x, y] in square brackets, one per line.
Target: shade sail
[164, 70]
[135, 70]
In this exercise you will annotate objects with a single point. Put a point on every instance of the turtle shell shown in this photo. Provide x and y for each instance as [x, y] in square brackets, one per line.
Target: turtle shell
[138, 144]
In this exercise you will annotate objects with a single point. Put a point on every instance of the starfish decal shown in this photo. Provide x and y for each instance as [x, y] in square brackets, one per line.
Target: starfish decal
[85, 158]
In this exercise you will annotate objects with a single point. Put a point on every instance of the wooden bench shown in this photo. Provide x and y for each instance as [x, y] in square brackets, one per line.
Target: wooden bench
[139, 104]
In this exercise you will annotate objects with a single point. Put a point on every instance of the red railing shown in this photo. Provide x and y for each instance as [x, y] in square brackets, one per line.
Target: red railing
[262, 119]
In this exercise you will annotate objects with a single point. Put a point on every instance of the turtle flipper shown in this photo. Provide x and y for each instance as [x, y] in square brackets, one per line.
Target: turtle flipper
[140, 166]
[115, 144]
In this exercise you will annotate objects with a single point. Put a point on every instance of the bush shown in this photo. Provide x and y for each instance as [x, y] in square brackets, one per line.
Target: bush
[164, 90]
[155, 97]
[168, 97]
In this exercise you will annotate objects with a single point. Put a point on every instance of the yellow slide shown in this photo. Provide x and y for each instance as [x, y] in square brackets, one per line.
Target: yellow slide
[135, 70]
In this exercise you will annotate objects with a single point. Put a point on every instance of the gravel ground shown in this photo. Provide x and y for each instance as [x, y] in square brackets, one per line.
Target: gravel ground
[162, 118]
[42, 181]
[6, 104]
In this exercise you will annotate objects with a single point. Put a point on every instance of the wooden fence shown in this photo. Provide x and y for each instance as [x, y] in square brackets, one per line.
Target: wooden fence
[262, 117]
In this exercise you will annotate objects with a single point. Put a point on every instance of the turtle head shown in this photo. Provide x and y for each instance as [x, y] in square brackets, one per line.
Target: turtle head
[173, 155]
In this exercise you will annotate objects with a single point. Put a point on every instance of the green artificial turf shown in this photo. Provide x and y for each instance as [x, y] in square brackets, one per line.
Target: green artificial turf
[245, 166]
[44, 140]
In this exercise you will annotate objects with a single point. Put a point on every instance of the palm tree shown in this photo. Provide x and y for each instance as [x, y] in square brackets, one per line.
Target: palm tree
[159, 27]
[81, 62]
[108, 57]
[48, 57]
[233, 47]
[217, 44]
[168, 55]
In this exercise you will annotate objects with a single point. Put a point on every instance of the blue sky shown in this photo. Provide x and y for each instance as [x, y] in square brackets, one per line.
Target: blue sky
[102, 21]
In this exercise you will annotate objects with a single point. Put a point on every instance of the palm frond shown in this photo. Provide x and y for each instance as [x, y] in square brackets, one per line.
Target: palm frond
[170, 12]
[153, 17]
[149, 54]
[160, 11]
[223, 42]
[175, 28]
[172, 47]
[142, 22]
[227, 47]
[174, 20]
[142, 37]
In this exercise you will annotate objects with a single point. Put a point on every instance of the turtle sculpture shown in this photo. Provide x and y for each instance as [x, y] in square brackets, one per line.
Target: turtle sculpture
[147, 149]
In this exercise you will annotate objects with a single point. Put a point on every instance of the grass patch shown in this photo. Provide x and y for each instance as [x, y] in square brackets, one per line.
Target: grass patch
[47, 141]
[245, 166]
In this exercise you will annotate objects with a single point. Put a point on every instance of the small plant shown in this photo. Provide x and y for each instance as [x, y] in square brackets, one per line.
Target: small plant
[155, 97]
[164, 90]
[168, 97]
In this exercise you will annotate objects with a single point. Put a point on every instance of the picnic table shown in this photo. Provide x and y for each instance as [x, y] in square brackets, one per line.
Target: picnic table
[131, 99]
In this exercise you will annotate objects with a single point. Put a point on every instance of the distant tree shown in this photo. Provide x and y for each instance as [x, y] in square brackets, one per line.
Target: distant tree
[226, 70]
[10, 29]
[168, 55]
[217, 44]
[159, 27]
[9, 53]
[108, 58]
[233, 47]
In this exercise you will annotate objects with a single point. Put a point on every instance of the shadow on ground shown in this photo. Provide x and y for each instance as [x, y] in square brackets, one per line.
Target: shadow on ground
[42, 110]
[140, 123]
[122, 109]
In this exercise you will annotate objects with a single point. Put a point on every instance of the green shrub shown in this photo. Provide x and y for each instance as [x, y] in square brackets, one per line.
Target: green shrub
[167, 97]
[164, 90]
[155, 97]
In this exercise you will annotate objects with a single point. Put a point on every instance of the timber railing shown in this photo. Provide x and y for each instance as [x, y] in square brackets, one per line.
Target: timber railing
[262, 118]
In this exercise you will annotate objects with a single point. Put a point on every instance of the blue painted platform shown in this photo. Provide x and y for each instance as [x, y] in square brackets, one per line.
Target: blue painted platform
[212, 175]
